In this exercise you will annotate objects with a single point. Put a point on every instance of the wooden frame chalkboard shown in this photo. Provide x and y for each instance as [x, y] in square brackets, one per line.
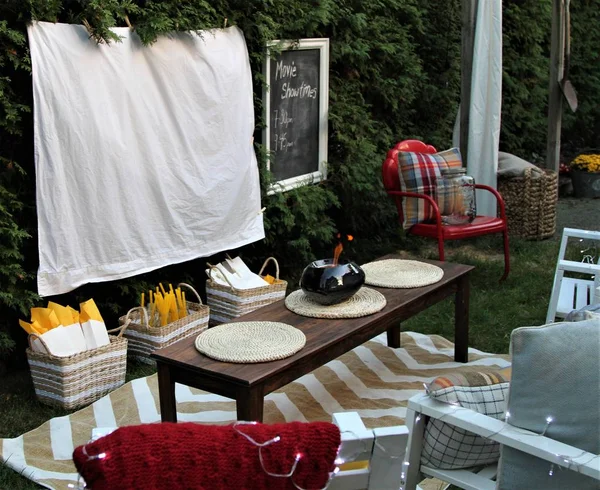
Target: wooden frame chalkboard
[296, 103]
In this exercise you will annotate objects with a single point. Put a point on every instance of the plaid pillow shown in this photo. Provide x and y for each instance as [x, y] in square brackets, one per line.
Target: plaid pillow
[418, 173]
[448, 447]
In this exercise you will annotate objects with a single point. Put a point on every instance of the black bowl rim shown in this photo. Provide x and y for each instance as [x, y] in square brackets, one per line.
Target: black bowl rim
[321, 262]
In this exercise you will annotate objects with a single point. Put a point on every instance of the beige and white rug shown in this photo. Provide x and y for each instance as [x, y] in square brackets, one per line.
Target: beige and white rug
[373, 380]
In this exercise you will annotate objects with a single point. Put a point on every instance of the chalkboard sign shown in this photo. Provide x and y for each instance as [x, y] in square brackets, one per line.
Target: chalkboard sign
[296, 107]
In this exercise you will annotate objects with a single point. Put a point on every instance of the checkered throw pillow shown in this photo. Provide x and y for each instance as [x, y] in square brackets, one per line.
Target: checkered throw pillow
[418, 173]
[448, 447]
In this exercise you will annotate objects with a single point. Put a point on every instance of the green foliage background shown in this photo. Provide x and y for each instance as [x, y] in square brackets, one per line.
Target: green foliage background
[394, 74]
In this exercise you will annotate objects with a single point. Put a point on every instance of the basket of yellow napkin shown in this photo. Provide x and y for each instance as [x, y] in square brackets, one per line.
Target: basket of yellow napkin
[72, 359]
[167, 318]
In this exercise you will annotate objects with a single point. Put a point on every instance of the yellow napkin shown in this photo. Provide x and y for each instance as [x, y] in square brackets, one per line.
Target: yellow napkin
[33, 327]
[269, 278]
[65, 318]
[46, 318]
[89, 311]
[74, 314]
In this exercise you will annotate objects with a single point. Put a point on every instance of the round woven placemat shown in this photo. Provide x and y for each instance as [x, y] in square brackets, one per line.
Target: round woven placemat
[365, 302]
[248, 342]
[399, 273]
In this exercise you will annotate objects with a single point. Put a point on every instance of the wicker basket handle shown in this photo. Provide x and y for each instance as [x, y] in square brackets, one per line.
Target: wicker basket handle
[192, 290]
[269, 259]
[29, 340]
[128, 320]
[213, 268]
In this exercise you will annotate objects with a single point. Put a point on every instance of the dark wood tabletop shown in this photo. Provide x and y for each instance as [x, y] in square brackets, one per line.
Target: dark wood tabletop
[326, 339]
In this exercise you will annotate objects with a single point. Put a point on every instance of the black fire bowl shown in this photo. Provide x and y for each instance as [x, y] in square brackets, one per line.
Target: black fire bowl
[329, 284]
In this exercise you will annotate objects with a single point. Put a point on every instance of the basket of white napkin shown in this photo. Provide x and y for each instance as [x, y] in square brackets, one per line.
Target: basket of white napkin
[232, 289]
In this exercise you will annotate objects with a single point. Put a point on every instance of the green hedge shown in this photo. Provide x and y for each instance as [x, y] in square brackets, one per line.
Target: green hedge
[394, 74]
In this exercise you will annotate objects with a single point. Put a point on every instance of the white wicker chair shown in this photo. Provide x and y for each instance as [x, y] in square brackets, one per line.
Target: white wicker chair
[550, 363]
[421, 406]
[573, 293]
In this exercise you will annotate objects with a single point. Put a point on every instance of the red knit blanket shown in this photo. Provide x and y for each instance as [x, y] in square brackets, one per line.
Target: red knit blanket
[206, 457]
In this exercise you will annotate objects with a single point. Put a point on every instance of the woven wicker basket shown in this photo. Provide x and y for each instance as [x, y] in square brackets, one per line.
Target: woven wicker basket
[145, 339]
[227, 302]
[74, 381]
[531, 204]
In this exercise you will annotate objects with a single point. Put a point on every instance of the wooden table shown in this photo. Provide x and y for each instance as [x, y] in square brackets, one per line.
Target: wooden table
[326, 340]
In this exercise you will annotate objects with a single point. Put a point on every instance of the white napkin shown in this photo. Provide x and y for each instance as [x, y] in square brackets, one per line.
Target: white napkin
[62, 341]
[241, 278]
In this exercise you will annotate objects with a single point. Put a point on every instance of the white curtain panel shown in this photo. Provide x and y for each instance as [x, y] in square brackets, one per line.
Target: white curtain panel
[144, 154]
[486, 102]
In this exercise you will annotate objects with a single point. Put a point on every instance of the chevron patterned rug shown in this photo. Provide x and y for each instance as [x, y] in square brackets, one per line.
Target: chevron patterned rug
[372, 379]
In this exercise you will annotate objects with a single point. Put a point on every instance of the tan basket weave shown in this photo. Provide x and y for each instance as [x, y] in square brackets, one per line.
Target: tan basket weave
[145, 339]
[78, 380]
[531, 204]
[227, 302]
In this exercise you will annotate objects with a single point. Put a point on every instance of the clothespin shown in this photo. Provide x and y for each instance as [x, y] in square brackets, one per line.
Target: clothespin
[225, 23]
[87, 26]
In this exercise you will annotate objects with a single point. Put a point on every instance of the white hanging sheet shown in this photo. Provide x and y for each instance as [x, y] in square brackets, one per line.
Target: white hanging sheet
[486, 102]
[143, 154]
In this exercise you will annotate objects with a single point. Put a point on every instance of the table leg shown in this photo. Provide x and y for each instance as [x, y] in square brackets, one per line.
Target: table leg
[249, 404]
[166, 393]
[461, 320]
[393, 336]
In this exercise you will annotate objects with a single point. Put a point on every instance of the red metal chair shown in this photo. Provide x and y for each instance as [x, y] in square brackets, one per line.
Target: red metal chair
[482, 225]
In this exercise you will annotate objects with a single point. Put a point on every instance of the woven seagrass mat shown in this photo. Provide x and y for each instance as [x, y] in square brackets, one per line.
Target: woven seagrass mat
[399, 273]
[365, 302]
[249, 342]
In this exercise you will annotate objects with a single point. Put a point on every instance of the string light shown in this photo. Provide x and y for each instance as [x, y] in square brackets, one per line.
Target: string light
[259, 444]
[549, 420]
[92, 457]
[81, 485]
[589, 258]
[297, 457]
[391, 456]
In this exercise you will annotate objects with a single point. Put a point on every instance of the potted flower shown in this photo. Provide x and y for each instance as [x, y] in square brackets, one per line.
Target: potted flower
[585, 173]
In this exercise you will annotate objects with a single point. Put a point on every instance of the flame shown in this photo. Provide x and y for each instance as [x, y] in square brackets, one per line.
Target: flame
[337, 252]
[339, 248]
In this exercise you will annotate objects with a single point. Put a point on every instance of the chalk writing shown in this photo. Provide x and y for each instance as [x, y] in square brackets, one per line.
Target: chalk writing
[304, 90]
[282, 119]
[285, 71]
[282, 143]
[294, 94]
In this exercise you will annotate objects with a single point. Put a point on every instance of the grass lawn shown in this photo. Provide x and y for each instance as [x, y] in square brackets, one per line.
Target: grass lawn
[495, 310]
